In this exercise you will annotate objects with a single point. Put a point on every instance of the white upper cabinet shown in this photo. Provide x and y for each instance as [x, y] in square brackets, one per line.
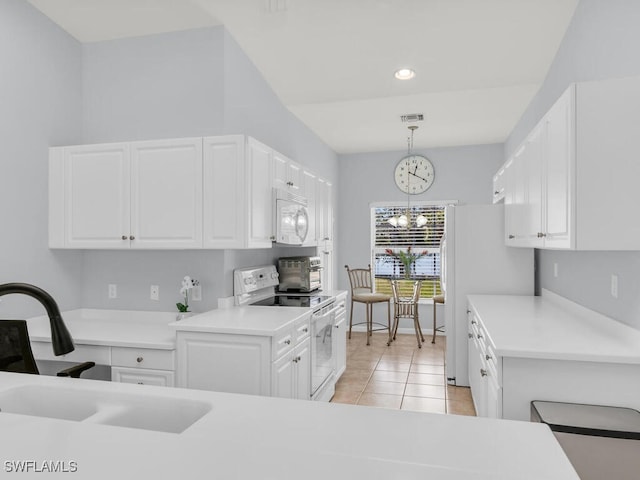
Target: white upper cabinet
[89, 191]
[579, 190]
[211, 192]
[136, 195]
[260, 195]
[166, 194]
[287, 174]
[225, 191]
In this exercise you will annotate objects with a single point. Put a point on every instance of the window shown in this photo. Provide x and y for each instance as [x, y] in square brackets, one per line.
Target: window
[421, 239]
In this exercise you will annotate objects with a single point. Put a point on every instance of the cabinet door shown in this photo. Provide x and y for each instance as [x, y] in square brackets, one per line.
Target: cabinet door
[280, 178]
[166, 193]
[224, 192]
[302, 362]
[494, 396]
[309, 188]
[560, 173]
[224, 363]
[259, 193]
[141, 376]
[499, 185]
[510, 208]
[533, 231]
[96, 196]
[282, 377]
[477, 372]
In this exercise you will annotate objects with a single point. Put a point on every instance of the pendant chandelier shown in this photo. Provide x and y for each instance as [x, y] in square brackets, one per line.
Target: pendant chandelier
[404, 220]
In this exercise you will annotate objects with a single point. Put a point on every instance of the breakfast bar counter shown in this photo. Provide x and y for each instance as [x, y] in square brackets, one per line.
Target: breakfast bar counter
[249, 437]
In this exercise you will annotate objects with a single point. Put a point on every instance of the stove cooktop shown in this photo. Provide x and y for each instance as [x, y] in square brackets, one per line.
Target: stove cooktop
[292, 301]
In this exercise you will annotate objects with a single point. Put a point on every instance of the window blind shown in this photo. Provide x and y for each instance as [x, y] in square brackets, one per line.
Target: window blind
[421, 239]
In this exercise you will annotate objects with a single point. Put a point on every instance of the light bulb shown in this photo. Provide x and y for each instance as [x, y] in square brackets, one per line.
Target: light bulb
[393, 221]
[403, 221]
[404, 74]
[421, 221]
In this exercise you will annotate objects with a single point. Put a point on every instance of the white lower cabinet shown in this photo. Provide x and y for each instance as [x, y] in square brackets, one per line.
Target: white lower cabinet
[252, 364]
[144, 366]
[484, 379]
[291, 373]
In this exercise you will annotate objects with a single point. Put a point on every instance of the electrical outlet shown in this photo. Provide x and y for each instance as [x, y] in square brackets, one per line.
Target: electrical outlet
[555, 270]
[196, 293]
[113, 290]
[155, 292]
[614, 286]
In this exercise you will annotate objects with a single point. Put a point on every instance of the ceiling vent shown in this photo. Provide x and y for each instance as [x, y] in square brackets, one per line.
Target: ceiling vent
[412, 117]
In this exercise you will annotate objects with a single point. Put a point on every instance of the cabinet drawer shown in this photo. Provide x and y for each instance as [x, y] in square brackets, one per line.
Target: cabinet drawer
[143, 358]
[142, 376]
[281, 344]
[302, 330]
[101, 354]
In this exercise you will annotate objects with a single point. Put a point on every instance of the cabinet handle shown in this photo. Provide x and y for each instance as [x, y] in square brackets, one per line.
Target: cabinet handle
[132, 237]
[471, 335]
[272, 238]
[140, 383]
[488, 357]
[287, 342]
[473, 322]
[124, 237]
[305, 329]
[483, 372]
[496, 192]
[541, 235]
[479, 336]
[468, 312]
[139, 359]
[511, 237]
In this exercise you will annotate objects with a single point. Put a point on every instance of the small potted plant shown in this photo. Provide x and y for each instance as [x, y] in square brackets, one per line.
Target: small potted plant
[407, 258]
[187, 285]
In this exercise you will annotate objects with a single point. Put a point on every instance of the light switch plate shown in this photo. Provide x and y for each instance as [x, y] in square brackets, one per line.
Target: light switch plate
[196, 293]
[155, 292]
[113, 290]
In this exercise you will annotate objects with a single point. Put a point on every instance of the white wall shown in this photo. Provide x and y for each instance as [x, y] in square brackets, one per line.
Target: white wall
[189, 83]
[40, 105]
[601, 42]
[461, 173]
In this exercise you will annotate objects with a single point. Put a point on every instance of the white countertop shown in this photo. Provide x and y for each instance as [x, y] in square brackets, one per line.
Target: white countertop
[247, 319]
[251, 437]
[117, 328]
[553, 328]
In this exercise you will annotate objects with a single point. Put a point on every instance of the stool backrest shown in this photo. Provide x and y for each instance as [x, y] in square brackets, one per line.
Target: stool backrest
[360, 279]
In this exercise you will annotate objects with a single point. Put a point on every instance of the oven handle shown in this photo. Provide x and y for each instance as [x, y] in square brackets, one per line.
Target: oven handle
[317, 316]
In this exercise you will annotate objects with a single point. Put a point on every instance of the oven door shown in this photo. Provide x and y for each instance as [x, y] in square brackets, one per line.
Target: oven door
[322, 354]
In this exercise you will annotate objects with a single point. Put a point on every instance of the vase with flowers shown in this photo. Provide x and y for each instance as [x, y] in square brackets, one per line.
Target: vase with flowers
[187, 285]
[407, 258]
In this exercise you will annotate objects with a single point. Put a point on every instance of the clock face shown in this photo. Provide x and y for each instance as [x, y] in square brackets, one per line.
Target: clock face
[414, 174]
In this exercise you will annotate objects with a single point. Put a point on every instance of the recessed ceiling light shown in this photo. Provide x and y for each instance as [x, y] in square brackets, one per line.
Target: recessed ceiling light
[404, 74]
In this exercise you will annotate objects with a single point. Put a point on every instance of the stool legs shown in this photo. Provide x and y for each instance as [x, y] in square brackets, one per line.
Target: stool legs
[351, 319]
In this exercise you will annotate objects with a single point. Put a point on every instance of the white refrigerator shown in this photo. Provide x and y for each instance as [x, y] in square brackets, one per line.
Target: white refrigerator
[476, 261]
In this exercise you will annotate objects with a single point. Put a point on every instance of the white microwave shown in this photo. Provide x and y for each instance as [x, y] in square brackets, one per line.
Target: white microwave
[291, 218]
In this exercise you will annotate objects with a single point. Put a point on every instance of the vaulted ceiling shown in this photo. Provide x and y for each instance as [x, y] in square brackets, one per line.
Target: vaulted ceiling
[477, 63]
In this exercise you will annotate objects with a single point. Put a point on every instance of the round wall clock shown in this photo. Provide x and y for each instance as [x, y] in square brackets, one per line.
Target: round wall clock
[414, 174]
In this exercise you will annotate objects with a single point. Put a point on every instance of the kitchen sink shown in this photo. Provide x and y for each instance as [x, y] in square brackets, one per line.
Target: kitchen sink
[141, 411]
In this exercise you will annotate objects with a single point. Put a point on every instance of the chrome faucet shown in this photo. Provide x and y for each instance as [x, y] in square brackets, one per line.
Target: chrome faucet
[60, 336]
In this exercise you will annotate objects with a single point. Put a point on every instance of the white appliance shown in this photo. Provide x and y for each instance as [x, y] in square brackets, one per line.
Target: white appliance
[291, 217]
[476, 261]
[255, 286]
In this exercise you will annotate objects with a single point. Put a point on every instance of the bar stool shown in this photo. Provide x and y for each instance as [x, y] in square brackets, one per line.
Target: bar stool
[407, 307]
[436, 299]
[362, 292]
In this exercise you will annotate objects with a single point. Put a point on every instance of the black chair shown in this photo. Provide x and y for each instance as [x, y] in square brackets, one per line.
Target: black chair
[16, 355]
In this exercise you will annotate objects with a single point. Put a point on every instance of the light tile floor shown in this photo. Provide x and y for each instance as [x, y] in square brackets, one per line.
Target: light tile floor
[400, 376]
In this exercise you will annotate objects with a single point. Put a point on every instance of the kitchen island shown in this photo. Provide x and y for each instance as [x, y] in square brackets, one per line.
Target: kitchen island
[251, 437]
